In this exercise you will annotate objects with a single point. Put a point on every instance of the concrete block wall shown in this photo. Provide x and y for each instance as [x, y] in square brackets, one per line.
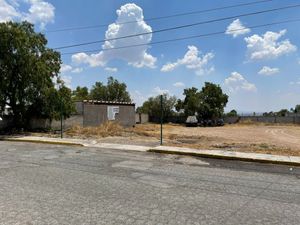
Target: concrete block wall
[141, 118]
[126, 115]
[78, 108]
[75, 120]
[272, 119]
[231, 120]
[96, 114]
[39, 124]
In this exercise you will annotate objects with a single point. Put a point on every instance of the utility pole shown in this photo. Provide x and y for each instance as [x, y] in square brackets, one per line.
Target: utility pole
[161, 119]
[61, 118]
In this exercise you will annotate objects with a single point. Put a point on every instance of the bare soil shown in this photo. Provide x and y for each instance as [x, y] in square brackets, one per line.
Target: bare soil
[258, 138]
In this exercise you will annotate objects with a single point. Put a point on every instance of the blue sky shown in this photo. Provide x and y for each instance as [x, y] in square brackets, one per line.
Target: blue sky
[258, 68]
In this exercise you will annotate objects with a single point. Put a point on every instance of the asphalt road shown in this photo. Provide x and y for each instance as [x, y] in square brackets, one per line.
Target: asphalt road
[44, 184]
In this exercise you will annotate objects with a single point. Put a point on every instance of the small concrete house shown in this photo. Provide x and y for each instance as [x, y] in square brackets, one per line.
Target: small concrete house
[98, 112]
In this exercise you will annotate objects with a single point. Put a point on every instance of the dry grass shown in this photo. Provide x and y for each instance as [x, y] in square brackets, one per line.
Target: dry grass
[252, 137]
[105, 130]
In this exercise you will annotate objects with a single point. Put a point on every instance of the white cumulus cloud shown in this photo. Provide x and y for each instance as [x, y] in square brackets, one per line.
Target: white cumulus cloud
[159, 91]
[236, 82]
[236, 28]
[136, 56]
[111, 69]
[8, 11]
[77, 70]
[268, 45]
[65, 68]
[194, 60]
[93, 60]
[178, 84]
[40, 12]
[268, 71]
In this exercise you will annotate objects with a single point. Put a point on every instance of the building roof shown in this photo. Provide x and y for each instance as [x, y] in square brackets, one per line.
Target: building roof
[108, 102]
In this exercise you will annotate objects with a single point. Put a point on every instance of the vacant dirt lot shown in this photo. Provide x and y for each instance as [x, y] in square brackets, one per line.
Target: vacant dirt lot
[260, 138]
[284, 140]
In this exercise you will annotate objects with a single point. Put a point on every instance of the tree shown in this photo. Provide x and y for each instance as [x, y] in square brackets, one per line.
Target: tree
[53, 104]
[209, 103]
[62, 103]
[113, 91]
[27, 70]
[98, 92]
[232, 113]
[282, 112]
[297, 109]
[212, 101]
[191, 103]
[269, 114]
[153, 106]
[80, 94]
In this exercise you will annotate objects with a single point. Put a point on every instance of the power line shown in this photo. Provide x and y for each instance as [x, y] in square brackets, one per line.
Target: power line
[162, 17]
[180, 27]
[188, 37]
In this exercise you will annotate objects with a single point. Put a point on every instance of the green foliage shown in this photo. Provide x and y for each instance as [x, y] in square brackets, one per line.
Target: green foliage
[27, 68]
[232, 113]
[297, 109]
[209, 103]
[282, 112]
[54, 104]
[65, 103]
[80, 94]
[113, 91]
[269, 113]
[153, 106]
[191, 103]
[212, 101]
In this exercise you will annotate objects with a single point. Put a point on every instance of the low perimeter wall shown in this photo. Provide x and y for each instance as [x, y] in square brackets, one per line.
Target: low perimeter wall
[44, 124]
[141, 118]
[264, 119]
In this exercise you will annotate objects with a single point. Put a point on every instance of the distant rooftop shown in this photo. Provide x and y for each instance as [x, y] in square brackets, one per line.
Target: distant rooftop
[107, 102]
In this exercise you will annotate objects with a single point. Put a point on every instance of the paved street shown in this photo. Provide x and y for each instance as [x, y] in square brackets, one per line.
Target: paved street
[47, 184]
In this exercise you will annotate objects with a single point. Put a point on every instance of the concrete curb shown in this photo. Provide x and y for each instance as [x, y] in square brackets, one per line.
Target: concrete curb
[83, 144]
[214, 155]
[42, 142]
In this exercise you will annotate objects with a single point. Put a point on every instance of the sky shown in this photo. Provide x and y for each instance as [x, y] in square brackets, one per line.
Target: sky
[259, 68]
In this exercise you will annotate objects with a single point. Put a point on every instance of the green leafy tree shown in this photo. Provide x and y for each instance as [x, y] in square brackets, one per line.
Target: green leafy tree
[113, 91]
[209, 103]
[80, 94]
[232, 113]
[269, 113]
[212, 101]
[191, 103]
[282, 112]
[62, 103]
[297, 109]
[153, 106]
[27, 70]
